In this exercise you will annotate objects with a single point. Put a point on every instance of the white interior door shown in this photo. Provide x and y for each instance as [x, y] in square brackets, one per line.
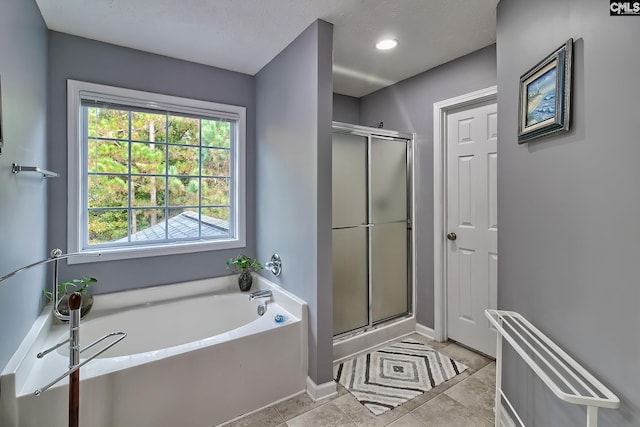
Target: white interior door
[471, 225]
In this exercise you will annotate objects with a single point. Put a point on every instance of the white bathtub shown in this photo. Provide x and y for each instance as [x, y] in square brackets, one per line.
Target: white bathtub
[196, 354]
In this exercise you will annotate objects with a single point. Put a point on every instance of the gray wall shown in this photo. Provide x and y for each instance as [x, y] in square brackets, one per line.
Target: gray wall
[77, 58]
[294, 110]
[408, 106]
[346, 109]
[568, 204]
[23, 197]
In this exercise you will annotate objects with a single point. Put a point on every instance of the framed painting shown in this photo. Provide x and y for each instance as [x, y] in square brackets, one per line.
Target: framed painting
[545, 96]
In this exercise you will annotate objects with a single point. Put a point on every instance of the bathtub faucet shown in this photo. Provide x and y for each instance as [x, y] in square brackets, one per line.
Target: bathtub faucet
[265, 293]
[274, 265]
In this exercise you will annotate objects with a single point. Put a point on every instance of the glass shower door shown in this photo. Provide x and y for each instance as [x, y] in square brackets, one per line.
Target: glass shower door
[350, 233]
[389, 234]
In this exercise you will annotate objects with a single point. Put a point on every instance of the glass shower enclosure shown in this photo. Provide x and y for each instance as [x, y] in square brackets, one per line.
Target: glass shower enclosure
[371, 234]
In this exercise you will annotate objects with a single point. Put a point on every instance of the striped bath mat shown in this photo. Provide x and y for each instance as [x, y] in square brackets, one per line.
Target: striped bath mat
[386, 378]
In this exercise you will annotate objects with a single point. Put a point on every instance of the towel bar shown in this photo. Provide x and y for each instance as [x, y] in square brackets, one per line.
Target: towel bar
[565, 377]
[15, 168]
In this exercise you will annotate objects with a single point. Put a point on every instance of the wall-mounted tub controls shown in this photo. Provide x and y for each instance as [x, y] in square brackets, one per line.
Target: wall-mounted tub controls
[274, 265]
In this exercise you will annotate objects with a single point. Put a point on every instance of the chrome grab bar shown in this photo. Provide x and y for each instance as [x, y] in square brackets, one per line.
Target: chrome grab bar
[15, 168]
[54, 256]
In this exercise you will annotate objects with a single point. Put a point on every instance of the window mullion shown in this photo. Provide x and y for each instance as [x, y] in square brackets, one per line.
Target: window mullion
[129, 167]
[200, 178]
[166, 176]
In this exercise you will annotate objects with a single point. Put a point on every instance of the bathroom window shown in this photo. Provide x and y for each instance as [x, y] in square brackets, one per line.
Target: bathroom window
[153, 174]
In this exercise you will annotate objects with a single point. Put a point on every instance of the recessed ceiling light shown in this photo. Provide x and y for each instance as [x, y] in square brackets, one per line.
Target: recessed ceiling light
[387, 44]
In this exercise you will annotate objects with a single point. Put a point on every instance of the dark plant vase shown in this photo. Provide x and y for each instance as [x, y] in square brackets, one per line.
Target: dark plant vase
[245, 280]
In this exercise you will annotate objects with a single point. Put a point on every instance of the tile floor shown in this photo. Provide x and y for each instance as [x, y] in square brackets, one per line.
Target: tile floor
[465, 401]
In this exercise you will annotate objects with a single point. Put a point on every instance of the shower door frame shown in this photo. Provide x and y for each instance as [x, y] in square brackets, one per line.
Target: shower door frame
[409, 139]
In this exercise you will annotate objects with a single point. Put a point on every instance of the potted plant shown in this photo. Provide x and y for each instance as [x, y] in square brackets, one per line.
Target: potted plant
[245, 266]
[68, 287]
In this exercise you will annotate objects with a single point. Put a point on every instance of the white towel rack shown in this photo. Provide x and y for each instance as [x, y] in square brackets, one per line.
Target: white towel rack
[565, 377]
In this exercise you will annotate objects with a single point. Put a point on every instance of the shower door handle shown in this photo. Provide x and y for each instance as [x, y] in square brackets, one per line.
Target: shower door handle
[353, 226]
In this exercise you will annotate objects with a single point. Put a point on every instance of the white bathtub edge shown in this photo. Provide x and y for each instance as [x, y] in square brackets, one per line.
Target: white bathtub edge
[28, 342]
[323, 391]
[294, 305]
[24, 359]
[287, 300]
[8, 404]
[19, 365]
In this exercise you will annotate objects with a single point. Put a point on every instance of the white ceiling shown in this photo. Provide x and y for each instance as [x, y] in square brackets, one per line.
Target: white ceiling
[244, 35]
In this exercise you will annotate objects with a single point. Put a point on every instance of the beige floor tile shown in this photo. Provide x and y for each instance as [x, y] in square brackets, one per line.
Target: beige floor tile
[460, 354]
[439, 389]
[267, 417]
[327, 415]
[487, 374]
[475, 395]
[412, 404]
[444, 411]
[364, 417]
[408, 420]
[341, 391]
[295, 406]
[428, 341]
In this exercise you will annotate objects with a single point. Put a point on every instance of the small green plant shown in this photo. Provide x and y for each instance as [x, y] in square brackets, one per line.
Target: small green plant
[71, 286]
[243, 264]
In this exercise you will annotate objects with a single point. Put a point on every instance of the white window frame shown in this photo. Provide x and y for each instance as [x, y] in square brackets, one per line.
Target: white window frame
[76, 155]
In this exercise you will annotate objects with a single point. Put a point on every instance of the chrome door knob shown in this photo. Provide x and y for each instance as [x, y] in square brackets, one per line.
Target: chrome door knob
[452, 236]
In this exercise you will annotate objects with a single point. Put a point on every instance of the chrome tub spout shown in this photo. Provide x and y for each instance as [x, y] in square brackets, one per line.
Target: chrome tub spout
[265, 293]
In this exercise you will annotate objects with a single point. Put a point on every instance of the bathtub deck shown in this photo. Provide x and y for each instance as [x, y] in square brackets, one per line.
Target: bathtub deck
[193, 384]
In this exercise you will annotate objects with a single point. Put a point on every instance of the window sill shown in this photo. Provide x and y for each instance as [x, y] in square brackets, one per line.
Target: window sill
[113, 254]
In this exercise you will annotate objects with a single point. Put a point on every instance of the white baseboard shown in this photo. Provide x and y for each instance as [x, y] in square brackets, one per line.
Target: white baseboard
[426, 331]
[321, 391]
